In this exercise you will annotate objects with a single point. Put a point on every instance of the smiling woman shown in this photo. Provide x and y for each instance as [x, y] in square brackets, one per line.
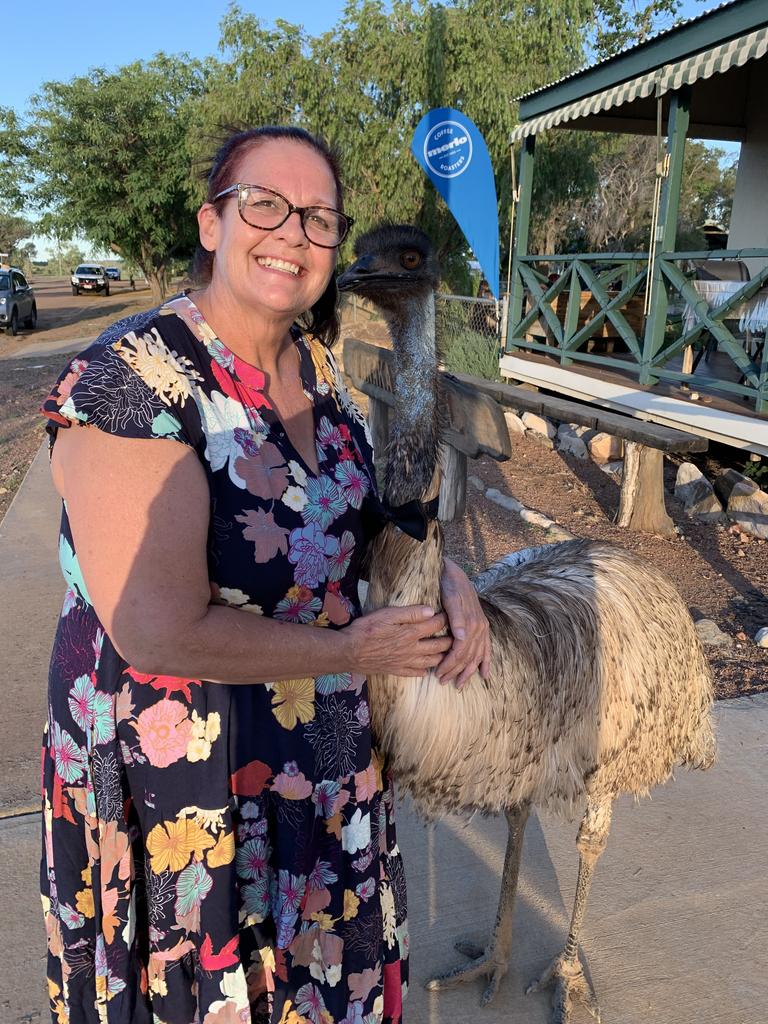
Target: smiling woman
[219, 834]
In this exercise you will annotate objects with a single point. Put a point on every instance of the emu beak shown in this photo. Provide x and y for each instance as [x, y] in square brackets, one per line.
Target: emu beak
[359, 271]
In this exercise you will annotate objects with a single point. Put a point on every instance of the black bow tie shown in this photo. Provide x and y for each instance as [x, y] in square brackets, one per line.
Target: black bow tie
[412, 517]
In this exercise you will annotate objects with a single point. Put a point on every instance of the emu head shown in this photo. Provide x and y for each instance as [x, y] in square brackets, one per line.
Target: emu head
[396, 268]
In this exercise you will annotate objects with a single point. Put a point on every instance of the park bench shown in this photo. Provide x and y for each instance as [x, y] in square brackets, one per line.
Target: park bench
[641, 503]
[475, 425]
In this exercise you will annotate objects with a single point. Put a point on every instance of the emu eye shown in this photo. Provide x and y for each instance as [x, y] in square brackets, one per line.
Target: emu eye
[411, 259]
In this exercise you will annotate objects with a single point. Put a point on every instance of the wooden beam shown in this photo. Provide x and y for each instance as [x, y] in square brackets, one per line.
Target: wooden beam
[666, 232]
[641, 505]
[522, 226]
[665, 439]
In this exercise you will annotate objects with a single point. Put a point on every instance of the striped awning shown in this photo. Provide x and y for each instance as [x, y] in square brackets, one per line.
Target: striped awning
[715, 61]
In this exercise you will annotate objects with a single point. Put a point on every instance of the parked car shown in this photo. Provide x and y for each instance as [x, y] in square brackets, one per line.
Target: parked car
[113, 273]
[90, 277]
[17, 301]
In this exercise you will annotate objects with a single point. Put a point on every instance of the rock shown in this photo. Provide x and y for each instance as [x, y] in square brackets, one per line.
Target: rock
[514, 424]
[613, 469]
[572, 445]
[711, 635]
[538, 425]
[605, 448]
[761, 637]
[729, 480]
[583, 432]
[556, 534]
[474, 481]
[746, 505]
[505, 500]
[536, 518]
[697, 494]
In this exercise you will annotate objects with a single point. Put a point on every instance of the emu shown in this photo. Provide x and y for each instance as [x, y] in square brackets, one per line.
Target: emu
[598, 683]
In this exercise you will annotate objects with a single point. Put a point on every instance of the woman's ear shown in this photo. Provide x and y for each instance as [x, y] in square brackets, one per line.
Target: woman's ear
[208, 226]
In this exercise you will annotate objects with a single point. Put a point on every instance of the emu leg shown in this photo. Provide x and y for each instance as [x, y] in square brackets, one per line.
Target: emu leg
[565, 974]
[493, 961]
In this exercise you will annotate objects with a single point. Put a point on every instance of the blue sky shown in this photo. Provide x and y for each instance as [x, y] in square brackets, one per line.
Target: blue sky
[52, 43]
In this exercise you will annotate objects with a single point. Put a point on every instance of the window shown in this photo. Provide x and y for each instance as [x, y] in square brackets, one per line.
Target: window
[19, 281]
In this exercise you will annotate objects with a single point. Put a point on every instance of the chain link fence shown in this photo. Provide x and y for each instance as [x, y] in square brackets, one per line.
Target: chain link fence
[469, 334]
[468, 331]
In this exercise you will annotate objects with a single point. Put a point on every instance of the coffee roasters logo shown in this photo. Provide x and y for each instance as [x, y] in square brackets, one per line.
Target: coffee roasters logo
[448, 149]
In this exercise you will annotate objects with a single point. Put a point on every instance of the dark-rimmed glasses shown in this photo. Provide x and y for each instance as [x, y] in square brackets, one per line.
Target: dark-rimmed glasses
[264, 208]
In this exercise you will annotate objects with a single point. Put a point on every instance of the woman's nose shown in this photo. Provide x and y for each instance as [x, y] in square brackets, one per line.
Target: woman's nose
[292, 229]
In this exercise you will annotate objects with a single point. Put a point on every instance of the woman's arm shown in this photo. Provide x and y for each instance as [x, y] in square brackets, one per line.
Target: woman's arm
[139, 514]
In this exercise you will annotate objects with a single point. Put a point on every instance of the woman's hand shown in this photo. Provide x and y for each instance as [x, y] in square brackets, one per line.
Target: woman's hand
[471, 648]
[397, 641]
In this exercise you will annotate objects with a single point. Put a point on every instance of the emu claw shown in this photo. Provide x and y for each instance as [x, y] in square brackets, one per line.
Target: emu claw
[482, 965]
[569, 982]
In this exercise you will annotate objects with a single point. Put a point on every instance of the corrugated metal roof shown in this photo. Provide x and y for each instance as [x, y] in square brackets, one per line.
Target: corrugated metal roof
[718, 59]
[628, 49]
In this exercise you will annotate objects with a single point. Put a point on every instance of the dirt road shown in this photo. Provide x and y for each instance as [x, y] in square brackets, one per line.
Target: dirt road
[64, 316]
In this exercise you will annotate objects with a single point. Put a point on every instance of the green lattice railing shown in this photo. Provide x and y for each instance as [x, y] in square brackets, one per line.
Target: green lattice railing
[601, 296]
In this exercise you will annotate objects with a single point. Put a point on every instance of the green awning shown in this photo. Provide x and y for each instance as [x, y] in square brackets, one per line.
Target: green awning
[734, 53]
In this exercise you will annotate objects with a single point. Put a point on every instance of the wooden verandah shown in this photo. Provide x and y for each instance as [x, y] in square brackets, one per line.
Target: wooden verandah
[702, 79]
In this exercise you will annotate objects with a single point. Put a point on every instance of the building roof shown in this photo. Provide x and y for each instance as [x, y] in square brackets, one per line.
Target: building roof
[717, 26]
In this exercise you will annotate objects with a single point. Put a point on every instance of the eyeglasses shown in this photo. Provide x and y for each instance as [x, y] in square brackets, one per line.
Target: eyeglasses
[266, 209]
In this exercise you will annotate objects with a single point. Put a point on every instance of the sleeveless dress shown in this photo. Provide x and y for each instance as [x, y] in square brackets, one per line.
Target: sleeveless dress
[213, 853]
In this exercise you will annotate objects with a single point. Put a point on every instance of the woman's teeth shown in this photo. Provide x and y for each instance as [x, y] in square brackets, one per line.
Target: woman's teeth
[273, 264]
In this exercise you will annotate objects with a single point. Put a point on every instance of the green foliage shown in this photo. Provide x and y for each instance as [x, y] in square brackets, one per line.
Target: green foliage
[366, 85]
[472, 353]
[117, 157]
[466, 344]
[106, 156]
[620, 23]
[757, 471]
[13, 229]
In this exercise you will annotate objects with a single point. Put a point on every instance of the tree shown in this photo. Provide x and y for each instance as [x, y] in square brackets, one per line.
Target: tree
[106, 156]
[12, 230]
[366, 84]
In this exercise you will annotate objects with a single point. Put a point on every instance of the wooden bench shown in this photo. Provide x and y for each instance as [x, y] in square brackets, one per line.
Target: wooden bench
[641, 505]
[475, 426]
[474, 422]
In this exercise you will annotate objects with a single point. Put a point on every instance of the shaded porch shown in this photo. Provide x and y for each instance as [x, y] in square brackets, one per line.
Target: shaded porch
[667, 325]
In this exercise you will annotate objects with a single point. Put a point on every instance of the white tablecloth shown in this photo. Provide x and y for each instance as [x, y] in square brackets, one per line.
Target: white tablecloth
[752, 314]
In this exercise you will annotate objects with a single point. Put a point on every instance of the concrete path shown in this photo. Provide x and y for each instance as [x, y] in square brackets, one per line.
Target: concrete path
[677, 928]
[50, 348]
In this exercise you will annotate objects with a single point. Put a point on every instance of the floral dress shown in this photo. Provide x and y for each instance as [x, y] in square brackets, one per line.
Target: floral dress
[221, 854]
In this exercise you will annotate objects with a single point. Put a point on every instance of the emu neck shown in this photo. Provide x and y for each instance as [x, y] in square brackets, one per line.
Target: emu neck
[415, 429]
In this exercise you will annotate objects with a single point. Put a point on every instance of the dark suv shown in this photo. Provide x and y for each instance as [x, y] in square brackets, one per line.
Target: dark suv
[17, 301]
[90, 277]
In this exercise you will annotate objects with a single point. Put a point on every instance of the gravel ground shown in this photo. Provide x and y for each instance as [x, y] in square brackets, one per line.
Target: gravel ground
[24, 383]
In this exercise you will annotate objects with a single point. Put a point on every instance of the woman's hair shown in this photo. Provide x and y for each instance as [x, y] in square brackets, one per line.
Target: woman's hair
[322, 320]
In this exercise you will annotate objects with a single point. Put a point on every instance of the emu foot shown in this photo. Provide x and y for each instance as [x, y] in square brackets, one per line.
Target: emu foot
[569, 982]
[484, 965]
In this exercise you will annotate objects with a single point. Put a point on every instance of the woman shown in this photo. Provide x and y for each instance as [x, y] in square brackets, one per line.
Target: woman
[219, 841]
